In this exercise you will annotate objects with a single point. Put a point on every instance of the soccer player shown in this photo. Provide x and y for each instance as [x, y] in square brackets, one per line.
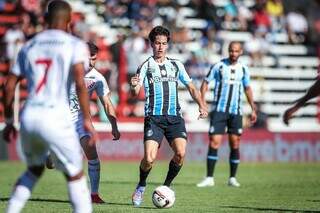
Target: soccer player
[313, 91]
[231, 78]
[50, 62]
[159, 75]
[94, 82]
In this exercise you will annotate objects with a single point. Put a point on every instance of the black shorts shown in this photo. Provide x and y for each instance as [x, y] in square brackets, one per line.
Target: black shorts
[221, 123]
[157, 126]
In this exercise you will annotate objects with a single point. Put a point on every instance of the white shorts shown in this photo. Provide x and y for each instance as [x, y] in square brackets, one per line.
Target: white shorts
[50, 129]
[79, 127]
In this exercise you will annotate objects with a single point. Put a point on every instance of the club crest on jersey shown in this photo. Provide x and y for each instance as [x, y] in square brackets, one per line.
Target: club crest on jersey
[163, 72]
[149, 133]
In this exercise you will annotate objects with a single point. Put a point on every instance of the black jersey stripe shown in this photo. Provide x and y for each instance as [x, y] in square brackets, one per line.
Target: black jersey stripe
[230, 91]
[177, 97]
[220, 86]
[151, 92]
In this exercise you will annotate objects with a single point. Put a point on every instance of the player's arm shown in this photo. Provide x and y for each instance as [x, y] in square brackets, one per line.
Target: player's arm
[111, 114]
[196, 96]
[249, 95]
[311, 93]
[9, 132]
[203, 90]
[135, 85]
[82, 93]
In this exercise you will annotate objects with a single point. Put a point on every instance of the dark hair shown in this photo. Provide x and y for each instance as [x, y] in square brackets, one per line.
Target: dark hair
[55, 7]
[92, 48]
[159, 30]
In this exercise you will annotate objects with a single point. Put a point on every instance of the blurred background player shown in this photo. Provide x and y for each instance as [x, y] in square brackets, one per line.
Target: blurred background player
[48, 62]
[231, 78]
[313, 92]
[94, 82]
[159, 75]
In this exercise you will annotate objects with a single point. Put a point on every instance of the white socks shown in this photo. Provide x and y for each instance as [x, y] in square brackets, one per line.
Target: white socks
[18, 199]
[94, 175]
[79, 196]
[22, 192]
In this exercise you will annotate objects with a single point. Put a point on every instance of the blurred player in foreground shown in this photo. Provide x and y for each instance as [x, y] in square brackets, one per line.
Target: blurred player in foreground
[49, 62]
[94, 82]
[313, 92]
[231, 78]
[160, 75]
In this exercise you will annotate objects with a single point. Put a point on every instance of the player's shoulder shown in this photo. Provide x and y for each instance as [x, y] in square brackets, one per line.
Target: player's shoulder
[145, 63]
[94, 74]
[174, 61]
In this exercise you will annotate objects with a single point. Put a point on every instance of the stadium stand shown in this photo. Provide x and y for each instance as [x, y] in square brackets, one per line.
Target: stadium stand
[286, 70]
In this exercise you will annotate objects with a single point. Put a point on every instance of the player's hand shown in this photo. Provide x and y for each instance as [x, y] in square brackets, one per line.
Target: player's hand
[87, 125]
[116, 134]
[135, 81]
[9, 133]
[203, 113]
[288, 114]
[253, 117]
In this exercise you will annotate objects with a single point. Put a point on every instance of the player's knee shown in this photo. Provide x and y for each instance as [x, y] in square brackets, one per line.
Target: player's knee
[36, 170]
[74, 177]
[179, 156]
[149, 160]
[214, 144]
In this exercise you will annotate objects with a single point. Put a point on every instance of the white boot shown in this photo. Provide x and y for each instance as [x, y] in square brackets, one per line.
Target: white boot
[233, 182]
[207, 181]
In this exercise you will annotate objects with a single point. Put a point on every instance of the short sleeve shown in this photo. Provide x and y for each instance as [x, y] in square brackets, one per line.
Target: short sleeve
[18, 66]
[80, 54]
[183, 75]
[212, 73]
[246, 77]
[142, 72]
[102, 87]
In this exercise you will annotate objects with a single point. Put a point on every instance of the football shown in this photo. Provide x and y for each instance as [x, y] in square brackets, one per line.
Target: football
[163, 197]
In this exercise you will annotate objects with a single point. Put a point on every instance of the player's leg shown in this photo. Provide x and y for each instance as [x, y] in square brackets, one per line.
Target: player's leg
[234, 159]
[23, 188]
[153, 135]
[64, 145]
[93, 167]
[178, 146]
[217, 128]
[234, 131]
[150, 154]
[35, 153]
[176, 135]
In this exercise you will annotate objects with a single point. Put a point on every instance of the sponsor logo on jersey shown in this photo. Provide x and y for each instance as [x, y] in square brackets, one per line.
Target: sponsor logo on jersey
[158, 79]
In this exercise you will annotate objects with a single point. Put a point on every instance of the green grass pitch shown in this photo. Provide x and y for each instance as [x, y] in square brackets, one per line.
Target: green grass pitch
[265, 187]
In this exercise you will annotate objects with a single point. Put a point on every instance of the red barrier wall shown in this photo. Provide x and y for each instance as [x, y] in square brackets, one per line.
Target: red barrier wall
[256, 146]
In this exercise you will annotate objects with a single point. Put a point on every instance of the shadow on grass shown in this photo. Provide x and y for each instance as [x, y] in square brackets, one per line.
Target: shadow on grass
[149, 183]
[67, 201]
[40, 200]
[268, 209]
[314, 201]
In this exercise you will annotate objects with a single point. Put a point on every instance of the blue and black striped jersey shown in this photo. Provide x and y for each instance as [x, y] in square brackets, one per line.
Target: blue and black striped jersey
[230, 81]
[160, 83]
